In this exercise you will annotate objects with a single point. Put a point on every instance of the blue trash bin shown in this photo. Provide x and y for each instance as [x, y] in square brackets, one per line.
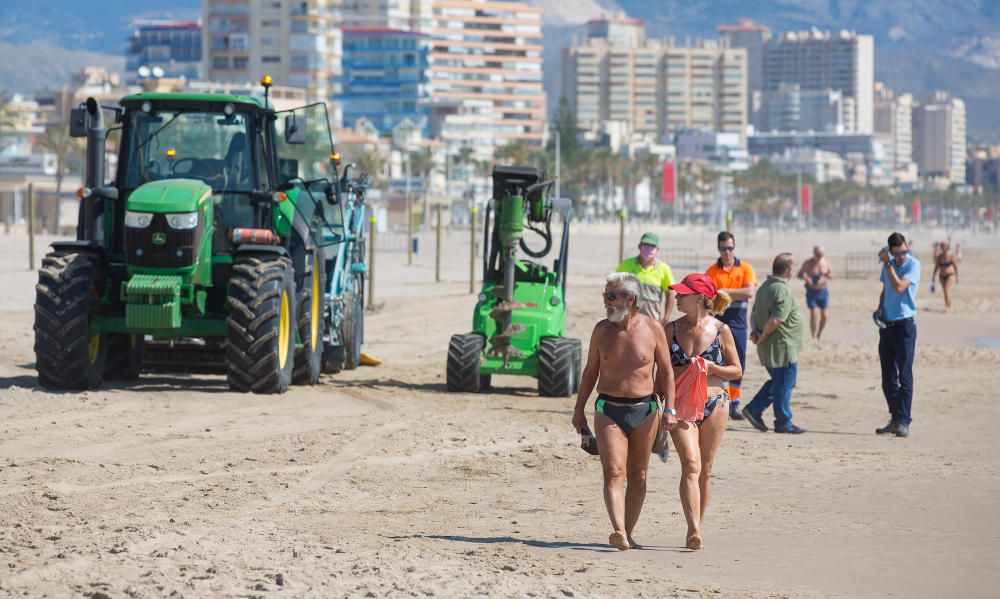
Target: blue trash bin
[416, 245]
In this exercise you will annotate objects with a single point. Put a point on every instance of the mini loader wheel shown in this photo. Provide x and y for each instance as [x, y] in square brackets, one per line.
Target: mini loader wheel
[557, 366]
[463, 363]
[260, 344]
[67, 356]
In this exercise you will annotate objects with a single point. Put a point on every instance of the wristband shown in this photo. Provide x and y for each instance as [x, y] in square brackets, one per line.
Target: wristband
[670, 411]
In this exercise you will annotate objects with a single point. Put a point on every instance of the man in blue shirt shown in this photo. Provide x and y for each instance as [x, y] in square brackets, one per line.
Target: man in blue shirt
[897, 340]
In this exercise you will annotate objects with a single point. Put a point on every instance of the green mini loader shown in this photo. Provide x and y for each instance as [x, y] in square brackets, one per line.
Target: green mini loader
[519, 322]
[207, 252]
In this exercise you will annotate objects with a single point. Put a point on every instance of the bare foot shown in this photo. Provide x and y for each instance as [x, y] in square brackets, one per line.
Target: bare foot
[632, 544]
[694, 541]
[619, 541]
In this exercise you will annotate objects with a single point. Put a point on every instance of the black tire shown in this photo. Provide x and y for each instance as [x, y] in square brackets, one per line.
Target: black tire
[557, 370]
[577, 363]
[260, 343]
[124, 361]
[67, 356]
[311, 300]
[464, 353]
[352, 329]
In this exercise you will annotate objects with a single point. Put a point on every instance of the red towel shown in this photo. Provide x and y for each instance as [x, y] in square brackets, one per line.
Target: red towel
[691, 391]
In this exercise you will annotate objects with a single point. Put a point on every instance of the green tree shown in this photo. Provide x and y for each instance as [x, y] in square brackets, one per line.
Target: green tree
[373, 163]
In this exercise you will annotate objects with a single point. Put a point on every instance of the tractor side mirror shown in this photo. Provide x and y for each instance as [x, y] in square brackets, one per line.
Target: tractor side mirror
[295, 129]
[78, 122]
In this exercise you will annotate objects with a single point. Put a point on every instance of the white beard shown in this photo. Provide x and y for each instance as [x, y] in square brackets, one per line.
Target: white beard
[616, 315]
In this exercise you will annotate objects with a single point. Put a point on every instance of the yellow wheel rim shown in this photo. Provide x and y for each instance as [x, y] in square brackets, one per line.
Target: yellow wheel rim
[94, 347]
[314, 315]
[284, 325]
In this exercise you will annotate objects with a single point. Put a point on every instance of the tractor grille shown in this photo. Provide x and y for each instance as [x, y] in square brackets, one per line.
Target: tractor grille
[177, 250]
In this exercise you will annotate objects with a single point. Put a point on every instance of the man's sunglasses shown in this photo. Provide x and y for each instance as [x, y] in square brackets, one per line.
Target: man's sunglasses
[613, 295]
[727, 248]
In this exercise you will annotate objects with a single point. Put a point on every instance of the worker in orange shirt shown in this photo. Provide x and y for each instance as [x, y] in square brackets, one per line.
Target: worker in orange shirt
[736, 278]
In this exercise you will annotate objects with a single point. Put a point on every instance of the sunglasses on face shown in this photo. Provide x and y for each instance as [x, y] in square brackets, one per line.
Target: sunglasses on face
[727, 248]
[613, 295]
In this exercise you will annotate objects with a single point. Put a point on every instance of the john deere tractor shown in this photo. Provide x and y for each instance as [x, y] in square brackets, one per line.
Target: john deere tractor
[209, 251]
[519, 322]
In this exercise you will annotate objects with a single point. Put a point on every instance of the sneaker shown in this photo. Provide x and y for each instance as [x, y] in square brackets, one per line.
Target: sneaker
[902, 430]
[734, 410]
[755, 420]
[791, 430]
[889, 428]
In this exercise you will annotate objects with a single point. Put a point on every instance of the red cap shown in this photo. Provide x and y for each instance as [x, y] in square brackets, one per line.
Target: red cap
[696, 282]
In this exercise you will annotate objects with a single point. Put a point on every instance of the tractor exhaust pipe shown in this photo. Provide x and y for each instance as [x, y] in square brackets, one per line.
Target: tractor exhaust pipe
[89, 227]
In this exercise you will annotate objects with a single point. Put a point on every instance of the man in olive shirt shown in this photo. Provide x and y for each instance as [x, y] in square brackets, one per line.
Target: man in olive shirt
[776, 325]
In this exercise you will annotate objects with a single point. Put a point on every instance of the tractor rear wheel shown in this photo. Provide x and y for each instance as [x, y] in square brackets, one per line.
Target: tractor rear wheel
[260, 343]
[311, 300]
[557, 366]
[67, 355]
[464, 352]
[352, 329]
[124, 361]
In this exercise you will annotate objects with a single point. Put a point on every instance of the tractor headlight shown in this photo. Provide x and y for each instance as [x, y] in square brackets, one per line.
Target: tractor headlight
[137, 220]
[482, 298]
[183, 220]
[554, 300]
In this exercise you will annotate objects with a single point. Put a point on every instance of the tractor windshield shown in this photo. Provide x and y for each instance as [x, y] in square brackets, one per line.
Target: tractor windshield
[211, 147]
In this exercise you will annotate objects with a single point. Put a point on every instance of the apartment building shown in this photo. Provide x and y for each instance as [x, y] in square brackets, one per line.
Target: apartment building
[893, 119]
[657, 87]
[816, 60]
[485, 74]
[384, 78]
[164, 49]
[752, 37]
[296, 42]
[791, 108]
[939, 140]
[409, 15]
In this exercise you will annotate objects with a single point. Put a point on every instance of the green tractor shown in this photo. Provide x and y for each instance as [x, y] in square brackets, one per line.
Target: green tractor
[208, 251]
[519, 322]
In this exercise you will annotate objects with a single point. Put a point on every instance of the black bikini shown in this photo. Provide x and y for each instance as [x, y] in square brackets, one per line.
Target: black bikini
[713, 353]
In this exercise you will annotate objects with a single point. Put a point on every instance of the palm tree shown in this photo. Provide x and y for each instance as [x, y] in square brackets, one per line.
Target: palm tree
[57, 141]
[422, 164]
[373, 163]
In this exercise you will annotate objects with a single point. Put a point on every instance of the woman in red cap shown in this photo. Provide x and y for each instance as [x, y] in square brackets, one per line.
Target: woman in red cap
[702, 349]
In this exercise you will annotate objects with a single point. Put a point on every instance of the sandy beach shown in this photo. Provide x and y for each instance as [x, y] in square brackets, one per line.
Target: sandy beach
[379, 483]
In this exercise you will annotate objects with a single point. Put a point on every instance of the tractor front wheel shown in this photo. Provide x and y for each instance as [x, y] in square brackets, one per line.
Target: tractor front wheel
[558, 358]
[462, 373]
[67, 355]
[260, 343]
[311, 300]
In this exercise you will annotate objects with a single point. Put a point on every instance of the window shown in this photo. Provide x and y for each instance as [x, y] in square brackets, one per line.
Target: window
[270, 59]
[220, 62]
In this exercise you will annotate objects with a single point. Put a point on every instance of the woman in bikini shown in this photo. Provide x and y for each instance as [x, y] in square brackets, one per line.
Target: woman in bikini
[946, 264]
[699, 334]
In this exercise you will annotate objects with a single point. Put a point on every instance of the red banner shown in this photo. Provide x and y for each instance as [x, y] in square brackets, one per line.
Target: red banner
[669, 192]
[916, 211]
[805, 198]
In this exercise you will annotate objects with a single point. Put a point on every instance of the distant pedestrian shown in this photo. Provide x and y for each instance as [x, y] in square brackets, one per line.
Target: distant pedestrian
[737, 278]
[897, 307]
[776, 327]
[817, 272]
[655, 278]
[945, 265]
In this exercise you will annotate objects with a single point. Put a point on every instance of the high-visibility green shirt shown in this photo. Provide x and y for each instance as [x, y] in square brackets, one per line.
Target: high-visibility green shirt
[653, 280]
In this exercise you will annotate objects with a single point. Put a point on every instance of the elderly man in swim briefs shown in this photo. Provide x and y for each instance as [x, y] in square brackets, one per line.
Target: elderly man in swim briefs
[817, 272]
[626, 351]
